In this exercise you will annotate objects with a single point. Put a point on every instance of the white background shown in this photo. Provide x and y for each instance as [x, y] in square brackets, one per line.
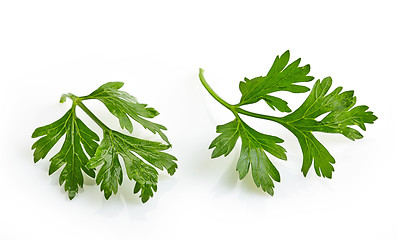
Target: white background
[48, 48]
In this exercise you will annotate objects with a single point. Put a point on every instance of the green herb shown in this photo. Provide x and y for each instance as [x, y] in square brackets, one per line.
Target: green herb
[140, 156]
[339, 108]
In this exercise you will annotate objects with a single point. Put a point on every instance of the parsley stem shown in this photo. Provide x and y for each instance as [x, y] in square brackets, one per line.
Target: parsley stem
[257, 115]
[234, 108]
[212, 93]
[91, 115]
[78, 101]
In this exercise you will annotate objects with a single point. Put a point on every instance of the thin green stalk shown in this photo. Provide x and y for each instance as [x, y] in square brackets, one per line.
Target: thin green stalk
[235, 109]
[257, 115]
[92, 116]
[77, 101]
[212, 93]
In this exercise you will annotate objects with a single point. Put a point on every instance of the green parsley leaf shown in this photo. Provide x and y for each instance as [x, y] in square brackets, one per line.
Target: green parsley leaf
[122, 105]
[129, 148]
[338, 108]
[341, 115]
[252, 152]
[71, 155]
[279, 78]
[141, 157]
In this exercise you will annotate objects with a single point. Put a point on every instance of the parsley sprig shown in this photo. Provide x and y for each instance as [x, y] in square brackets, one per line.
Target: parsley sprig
[339, 109]
[81, 152]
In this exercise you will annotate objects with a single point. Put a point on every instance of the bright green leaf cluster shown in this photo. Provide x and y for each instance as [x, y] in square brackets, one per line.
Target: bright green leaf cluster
[140, 156]
[279, 78]
[337, 106]
[322, 111]
[252, 152]
[71, 155]
[122, 105]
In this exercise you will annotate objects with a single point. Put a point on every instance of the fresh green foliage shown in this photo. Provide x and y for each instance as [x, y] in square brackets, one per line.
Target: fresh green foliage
[279, 78]
[252, 152]
[140, 156]
[122, 105]
[71, 154]
[337, 107]
[145, 176]
[341, 114]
